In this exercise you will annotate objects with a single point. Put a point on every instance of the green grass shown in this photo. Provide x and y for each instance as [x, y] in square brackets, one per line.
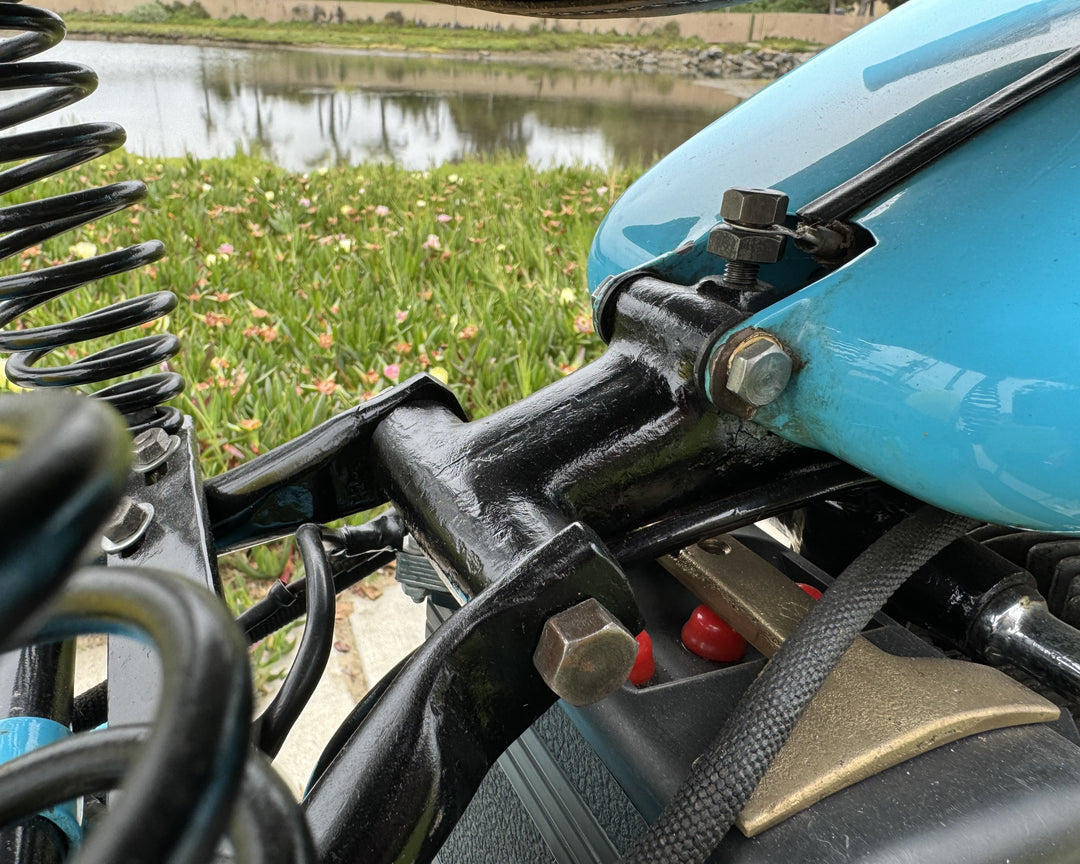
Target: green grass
[390, 37]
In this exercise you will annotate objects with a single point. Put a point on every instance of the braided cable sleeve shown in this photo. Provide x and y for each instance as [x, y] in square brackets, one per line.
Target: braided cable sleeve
[722, 780]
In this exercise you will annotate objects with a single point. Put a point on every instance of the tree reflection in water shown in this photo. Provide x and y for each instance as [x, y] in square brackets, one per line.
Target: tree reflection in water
[305, 108]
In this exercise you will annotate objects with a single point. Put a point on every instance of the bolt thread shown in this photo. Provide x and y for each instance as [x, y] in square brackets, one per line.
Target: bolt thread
[740, 275]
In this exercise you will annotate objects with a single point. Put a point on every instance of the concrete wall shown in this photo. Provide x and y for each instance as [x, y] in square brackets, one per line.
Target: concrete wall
[709, 26]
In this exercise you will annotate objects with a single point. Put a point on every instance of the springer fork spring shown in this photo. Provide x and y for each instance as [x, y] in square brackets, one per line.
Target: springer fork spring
[45, 87]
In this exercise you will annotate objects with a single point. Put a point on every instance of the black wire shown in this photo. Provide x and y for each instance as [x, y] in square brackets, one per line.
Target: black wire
[267, 826]
[355, 553]
[91, 708]
[178, 795]
[683, 528]
[315, 645]
[722, 780]
[860, 190]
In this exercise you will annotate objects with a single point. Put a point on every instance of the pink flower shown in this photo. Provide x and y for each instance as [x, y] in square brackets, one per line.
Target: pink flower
[304, 202]
[392, 371]
[401, 315]
[443, 217]
[225, 249]
[382, 210]
[432, 242]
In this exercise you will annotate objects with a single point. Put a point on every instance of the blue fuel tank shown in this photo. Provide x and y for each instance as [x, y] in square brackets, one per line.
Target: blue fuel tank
[945, 359]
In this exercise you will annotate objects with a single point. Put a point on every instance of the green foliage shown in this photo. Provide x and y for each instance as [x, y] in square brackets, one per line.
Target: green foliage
[784, 6]
[158, 13]
[148, 13]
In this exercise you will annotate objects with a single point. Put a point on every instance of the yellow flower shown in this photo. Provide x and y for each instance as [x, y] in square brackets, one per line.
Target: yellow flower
[211, 260]
[268, 195]
[440, 373]
[83, 250]
[567, 296]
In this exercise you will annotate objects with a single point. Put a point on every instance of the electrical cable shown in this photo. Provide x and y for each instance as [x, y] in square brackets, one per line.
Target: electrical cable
[355, 552]
[177, 796]
[854, 194]
[266, 826]
[722, 779]
[306, 670]
[683, 528]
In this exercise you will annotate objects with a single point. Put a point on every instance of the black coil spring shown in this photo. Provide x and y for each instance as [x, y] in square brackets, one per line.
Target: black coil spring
[33, 156]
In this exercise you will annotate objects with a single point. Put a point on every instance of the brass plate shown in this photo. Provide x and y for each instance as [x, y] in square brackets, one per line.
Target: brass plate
[873, 712]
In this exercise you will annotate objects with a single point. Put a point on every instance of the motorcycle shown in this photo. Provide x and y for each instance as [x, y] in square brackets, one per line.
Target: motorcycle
[817, 375]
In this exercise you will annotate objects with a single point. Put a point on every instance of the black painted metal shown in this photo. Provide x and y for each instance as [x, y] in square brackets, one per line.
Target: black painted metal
[501, 505]
[178, 540]
[320, 476]
[266, 827]
[73, 454]
[407, 773]
[176, 796]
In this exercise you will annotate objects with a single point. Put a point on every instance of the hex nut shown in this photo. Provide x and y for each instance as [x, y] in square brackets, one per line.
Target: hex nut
[757, 207]
[730, 243]
[152, 448]
[151, 444]
[126, 525]
[584, 653]
[759, 371]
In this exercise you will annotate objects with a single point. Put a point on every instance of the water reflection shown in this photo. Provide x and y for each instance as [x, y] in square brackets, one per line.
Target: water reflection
[305, 108]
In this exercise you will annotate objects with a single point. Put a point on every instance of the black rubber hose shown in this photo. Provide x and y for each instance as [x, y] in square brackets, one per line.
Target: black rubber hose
[266, 826]
[357, 716]
[722, 780]
[178, 795]
[63, 465]
[685, 527]
[314, 651]
[91, 708]
[356, 551]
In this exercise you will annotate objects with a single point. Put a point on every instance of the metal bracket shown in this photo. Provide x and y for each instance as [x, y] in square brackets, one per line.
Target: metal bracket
[875, 711]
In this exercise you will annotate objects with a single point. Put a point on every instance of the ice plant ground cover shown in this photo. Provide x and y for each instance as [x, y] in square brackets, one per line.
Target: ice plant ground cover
[301, 295]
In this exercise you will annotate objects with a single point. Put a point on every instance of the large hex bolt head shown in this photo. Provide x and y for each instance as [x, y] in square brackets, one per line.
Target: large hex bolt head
[584, 653]
[759, 370]
[731, 244]
[758, 208]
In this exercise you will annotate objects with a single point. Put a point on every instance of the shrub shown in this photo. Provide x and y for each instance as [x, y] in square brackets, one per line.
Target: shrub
[148, 13]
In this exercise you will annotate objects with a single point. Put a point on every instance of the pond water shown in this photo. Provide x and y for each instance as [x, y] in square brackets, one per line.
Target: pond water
[303, 109]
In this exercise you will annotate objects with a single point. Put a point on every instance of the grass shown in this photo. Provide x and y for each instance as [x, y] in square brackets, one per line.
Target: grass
[392, 37]
[301, 295]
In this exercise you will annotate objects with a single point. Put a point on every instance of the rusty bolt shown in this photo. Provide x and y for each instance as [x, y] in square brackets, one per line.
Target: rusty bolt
[584, 653]
[733, 244]
[759, 370]
[758, 208]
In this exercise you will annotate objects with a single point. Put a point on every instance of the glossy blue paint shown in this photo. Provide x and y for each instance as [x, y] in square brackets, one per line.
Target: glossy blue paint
[826, 121]
[19, 735]
[946, 359]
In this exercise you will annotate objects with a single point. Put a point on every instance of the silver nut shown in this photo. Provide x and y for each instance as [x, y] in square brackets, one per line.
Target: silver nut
[732, 244]
[757, 207]
[584, 653]
[126, 525]
[759, 371]
[152, 448]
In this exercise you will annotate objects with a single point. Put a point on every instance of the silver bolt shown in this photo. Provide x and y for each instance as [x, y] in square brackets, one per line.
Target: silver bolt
[584, 653]
[152, 448]
[759, 370]
[126, 525]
